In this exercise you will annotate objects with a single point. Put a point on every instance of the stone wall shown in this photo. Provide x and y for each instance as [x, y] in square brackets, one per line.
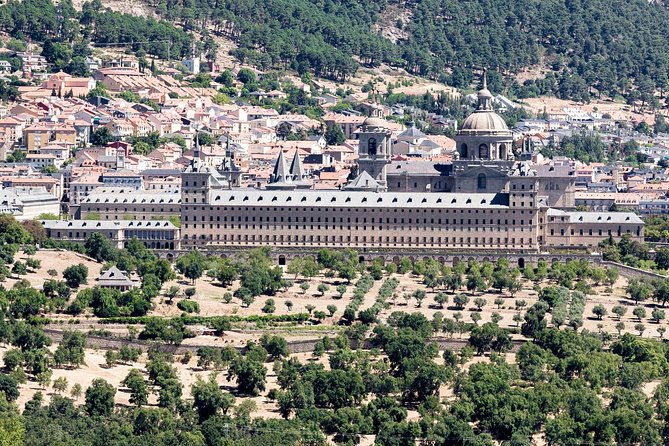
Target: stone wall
[633, 273]
[301, 346]
[283, 255]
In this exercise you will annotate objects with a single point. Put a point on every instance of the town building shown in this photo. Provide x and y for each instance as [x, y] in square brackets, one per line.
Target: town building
[155, 234]
[116, 279]
[129, 203]
[27, 203]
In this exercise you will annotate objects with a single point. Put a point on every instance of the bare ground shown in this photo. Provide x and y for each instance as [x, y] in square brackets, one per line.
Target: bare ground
[58, 261]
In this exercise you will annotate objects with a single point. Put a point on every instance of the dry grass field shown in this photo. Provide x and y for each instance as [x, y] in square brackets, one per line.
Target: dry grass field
[210, 298]
[58, 261]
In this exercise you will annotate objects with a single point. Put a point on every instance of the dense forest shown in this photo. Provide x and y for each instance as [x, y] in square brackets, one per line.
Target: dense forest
[602, 47]
[60, 25]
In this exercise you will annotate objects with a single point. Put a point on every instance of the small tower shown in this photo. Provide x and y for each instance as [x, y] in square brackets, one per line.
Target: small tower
[195, 180]
[374, 150]
[281, 177]
[230, 170]
[198, 181]
[297, 172]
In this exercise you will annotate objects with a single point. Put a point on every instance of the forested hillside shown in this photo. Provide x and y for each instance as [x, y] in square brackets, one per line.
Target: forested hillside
[43, 21]
[606, 44]
[597, 47]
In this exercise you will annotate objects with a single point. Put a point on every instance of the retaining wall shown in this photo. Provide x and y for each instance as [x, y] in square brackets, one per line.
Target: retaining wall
[301, 346]
[631, 272]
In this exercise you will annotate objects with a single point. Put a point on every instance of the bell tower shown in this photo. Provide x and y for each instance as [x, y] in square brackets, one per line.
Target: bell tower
[374, 151]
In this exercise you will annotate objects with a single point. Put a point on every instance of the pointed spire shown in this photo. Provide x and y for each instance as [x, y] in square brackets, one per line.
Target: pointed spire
[195, 164]
[280, 173]
[296, 171]
[484, 96]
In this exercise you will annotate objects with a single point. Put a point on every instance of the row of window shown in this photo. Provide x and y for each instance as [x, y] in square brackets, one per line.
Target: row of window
[599, 232]
[115, 209]
[494, 228]
[499, 241]
[246, 210]
[373, 220]
[141, 235]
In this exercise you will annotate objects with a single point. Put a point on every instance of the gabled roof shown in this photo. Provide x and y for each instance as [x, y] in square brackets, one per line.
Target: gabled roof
[413, 132]
[362, 199]
[114, 277]
[363, 181]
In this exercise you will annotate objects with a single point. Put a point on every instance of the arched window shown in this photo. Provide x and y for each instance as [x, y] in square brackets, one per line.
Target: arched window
[463, 151]
[371, 146]
[502, 151]
[482, 181]
[483, 151]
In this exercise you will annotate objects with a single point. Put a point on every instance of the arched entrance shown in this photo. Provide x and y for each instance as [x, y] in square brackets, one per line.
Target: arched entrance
[282, 260]
[521, 263]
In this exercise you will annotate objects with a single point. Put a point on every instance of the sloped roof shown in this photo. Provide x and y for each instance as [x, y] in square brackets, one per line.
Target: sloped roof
[364, 181]
[361, 199]
[114, 277]
[413, 132]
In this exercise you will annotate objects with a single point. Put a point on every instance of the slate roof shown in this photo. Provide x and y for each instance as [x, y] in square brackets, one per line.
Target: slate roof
[114, 277]
[362, 199]
[413, 132]
[130, 195]
[103, 225]
[363, 181]
[597, 217]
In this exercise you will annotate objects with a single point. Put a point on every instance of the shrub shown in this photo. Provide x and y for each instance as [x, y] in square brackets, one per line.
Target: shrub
[188, 306]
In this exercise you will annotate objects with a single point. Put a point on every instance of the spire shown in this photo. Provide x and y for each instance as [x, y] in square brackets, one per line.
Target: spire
[296, 171]
[280, 173]
[484, 96]
[227, 164]
[195, 164]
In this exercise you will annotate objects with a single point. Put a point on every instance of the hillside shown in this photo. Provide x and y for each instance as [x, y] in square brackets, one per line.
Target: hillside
[571, 49]
[599, 46]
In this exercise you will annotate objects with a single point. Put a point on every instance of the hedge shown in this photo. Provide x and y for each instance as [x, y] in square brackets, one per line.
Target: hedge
[210, 321]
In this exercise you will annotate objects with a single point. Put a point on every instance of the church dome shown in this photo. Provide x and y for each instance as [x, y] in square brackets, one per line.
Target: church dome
[374, 122]
[484, 121]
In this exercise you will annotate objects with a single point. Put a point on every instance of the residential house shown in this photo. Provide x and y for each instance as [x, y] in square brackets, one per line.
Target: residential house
[42, 134]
